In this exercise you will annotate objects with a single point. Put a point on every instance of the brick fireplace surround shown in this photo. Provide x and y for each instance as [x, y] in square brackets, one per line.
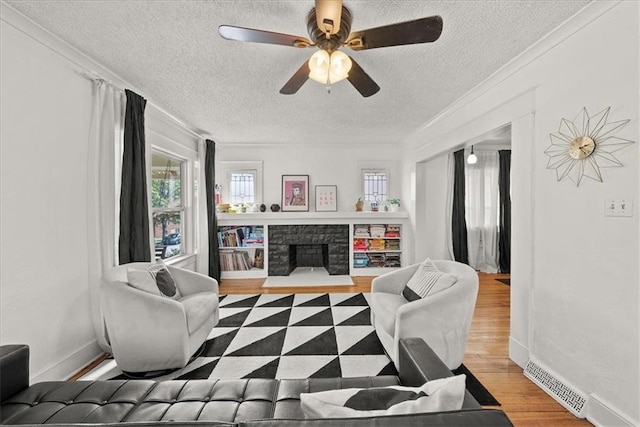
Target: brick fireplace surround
[292, 246]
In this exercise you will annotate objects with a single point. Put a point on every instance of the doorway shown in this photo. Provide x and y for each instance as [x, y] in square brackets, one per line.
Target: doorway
[430, 224]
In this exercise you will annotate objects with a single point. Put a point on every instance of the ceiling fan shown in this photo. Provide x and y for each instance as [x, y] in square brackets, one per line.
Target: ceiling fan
[329, 26]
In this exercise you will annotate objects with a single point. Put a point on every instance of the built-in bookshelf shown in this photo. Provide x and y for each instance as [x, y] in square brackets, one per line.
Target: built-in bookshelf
[242, 250]
[376, 246]
[396, 251]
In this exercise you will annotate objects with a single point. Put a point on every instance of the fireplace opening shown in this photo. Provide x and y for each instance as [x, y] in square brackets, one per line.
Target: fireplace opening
[310, 256]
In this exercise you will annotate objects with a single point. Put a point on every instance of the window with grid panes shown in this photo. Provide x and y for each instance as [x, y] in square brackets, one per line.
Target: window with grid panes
[240, 181]
[242, 186]
[376, 182]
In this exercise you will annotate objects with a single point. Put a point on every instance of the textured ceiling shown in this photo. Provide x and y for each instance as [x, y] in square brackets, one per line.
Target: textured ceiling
[170, 51]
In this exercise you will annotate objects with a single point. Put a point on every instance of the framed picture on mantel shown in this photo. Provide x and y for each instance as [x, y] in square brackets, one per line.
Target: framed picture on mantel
[326, 198]
[295, 193]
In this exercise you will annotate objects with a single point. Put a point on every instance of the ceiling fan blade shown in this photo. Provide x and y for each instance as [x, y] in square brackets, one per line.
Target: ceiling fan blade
[297, 80]
[361, 80]
[260, 36]
[423, 30]
[328, 13]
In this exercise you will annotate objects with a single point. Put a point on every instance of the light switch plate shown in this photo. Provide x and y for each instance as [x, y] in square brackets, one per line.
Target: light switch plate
[618, 206]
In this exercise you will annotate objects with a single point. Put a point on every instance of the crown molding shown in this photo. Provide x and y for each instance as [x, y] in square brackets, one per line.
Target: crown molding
[332, 145]
[87, 67]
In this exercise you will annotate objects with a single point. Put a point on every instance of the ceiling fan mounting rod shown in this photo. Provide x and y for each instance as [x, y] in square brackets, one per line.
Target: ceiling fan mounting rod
[321, 37]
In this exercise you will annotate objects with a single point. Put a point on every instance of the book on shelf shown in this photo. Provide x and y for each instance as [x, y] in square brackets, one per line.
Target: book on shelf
[377, 260]
[392, 260]
[393, 230]
[377, 230]
[235, 260]
[392, 245]
[377, 244]
[361, 230]
[360, 260]
[258, 258]
[245, 236]
[359, 244]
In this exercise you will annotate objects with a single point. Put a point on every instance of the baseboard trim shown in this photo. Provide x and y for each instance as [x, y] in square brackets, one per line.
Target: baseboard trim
[70, 365]
[602, 413]
[518, 352]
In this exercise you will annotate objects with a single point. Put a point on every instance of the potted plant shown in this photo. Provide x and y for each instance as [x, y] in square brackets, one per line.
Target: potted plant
[359, 204]
[394, 205]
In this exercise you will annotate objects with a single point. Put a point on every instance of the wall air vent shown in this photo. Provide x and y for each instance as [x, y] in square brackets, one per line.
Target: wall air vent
[565, 395]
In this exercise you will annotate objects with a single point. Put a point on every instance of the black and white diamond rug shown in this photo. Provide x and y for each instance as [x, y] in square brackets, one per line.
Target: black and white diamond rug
[292, 336]
[288, 336]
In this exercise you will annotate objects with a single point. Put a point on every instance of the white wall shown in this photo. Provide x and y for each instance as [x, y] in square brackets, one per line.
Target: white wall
[575, 296]
[431, 213]
[333, 163]
[46, 110]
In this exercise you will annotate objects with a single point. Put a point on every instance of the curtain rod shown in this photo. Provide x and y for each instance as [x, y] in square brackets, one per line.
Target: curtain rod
[97, 78]
[55, 44]
[94, 77]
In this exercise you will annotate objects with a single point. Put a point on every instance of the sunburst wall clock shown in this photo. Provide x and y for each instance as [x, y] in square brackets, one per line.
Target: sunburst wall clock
[586, 144]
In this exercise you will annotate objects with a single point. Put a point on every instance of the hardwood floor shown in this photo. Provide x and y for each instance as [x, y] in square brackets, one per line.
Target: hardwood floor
[487, 349]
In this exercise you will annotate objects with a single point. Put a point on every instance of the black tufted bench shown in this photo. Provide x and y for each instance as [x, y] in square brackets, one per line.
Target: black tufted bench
[211, 402]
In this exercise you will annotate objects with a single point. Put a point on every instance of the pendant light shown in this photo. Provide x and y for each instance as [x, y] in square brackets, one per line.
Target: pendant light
[472, 159]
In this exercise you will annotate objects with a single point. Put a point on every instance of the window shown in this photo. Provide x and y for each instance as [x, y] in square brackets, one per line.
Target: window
[376, 184]
[482, 211]
[242, 186]
[167, 204]
[240, 182]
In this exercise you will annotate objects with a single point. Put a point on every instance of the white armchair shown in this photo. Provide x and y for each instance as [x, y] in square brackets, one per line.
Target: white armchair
[149, 332]
[443, 319]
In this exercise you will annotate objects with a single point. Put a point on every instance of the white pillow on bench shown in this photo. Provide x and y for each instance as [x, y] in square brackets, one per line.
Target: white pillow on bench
[445, 394]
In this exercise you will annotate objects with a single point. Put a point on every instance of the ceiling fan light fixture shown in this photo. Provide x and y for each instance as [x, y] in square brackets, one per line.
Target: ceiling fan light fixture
[329, 69]
[319, 66]
[339, 67]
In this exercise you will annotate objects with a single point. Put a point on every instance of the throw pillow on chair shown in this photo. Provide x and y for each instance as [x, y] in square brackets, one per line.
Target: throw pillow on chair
[156, 280]
[427, 280]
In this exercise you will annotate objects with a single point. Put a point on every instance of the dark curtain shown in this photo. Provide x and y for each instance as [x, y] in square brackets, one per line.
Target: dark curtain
[134, 244]
[458, 222]
[504, 231]
[210, 184]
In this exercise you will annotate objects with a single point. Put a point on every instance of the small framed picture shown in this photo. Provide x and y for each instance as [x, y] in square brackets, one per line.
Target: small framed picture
[295, 193]
[326, 198]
